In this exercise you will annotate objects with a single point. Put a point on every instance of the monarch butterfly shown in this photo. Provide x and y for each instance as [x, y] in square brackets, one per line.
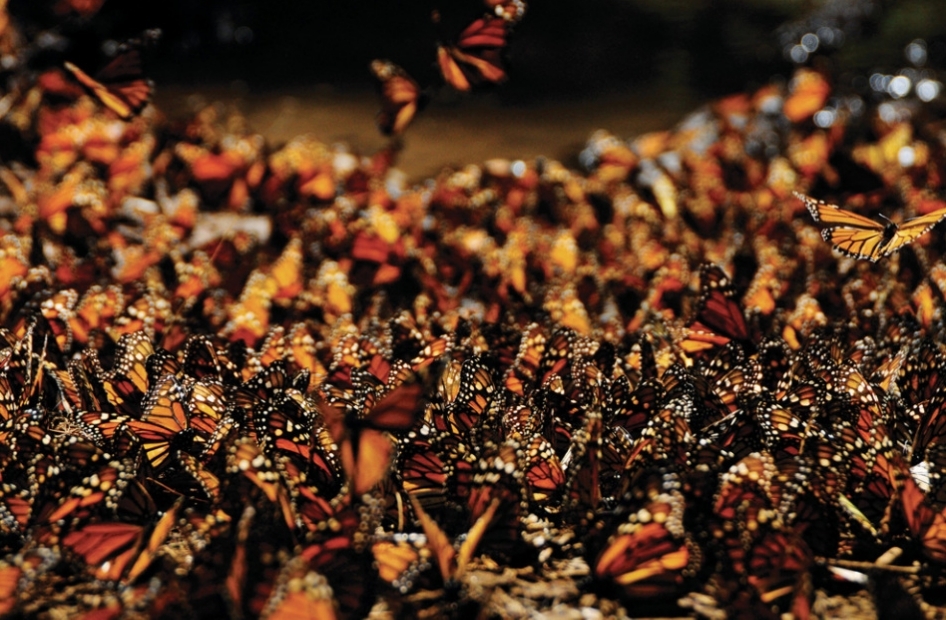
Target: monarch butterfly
[717, 308]
[203, 358]
[254, 393]
[166, 427]
[476, 55]
[401, 97]
[301, 594]
[634, 410]
[420, 469]
[862, 237]
[109, 548]
[582, 466]
[401, 559]
[544, 477]
[208, 404]
[345, 564]
[59, 312]
[246, 457]
[645, 557]
[103, 488]
[120, 85]
[451, 561]
[365, 449]
[476, 390]
[524, 370]
[127, 383]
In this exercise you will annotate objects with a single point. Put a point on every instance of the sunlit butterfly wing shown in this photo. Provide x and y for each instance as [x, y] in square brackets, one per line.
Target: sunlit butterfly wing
[366, 450]
[862, 237]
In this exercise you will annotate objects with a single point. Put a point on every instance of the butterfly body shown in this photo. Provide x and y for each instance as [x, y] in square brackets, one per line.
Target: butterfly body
[862, 237]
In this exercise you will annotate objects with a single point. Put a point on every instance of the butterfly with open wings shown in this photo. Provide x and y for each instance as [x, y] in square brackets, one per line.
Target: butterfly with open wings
[120, 85]
[862, 237]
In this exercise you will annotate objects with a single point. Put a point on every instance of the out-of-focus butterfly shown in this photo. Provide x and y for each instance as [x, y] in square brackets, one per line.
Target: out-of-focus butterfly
[510, 10]
[476, 56]
[401, 97]
[120, 85]
[108, 548]
[451, 560]
[82, 8]
[365, 449]
[862, 237]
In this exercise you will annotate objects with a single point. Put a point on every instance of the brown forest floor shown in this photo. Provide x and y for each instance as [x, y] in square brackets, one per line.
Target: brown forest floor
[445, 134]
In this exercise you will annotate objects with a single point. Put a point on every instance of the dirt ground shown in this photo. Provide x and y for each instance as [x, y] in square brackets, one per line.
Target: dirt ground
[446, 133]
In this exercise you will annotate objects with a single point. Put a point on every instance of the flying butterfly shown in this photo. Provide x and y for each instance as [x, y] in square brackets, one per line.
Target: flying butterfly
[120, 85]
[862, 237]
[476, 56]
[401, 97]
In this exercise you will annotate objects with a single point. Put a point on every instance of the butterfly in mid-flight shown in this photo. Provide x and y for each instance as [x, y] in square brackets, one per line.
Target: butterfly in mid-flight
[121, 86]
[862, 237]
[475, 57]
[401, 97]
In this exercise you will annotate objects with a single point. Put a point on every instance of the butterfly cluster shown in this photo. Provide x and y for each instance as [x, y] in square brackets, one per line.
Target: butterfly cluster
[248, 380]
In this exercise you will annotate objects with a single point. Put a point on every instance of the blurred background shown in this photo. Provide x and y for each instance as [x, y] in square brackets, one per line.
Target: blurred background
[628, 66]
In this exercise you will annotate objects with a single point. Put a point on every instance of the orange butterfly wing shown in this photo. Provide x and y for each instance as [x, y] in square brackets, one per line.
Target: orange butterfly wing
[451, 71]
[438, 542]
[120, 85]
[400, 97]
[862, 237]
[476, 55]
